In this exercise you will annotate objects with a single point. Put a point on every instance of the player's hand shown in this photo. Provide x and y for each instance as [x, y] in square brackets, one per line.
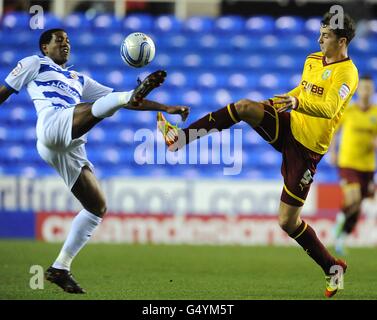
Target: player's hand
[287, 102]
[181, 110]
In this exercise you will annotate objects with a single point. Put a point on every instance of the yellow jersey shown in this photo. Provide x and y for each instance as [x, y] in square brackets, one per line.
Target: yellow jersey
[323, 93]
[359, 129]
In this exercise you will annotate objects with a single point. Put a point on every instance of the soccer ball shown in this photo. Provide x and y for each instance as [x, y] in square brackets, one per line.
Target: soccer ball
[137, 50]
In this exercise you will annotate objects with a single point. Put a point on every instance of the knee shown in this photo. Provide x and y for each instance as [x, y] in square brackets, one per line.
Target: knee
[99, 209]
[283, 223]
[352, 207]
[244, 106]
[250, 111]
[288, 224]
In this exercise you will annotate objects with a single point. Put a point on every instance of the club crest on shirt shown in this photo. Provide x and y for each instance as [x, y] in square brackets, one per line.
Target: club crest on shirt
[344, 91]
[326, 74]
[17, 69]
[73, 75]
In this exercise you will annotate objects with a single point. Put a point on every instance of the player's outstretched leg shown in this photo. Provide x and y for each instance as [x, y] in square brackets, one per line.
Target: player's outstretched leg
[333, 268]
[151, 82]
[175, 138]
[107, 105]
[64, 279]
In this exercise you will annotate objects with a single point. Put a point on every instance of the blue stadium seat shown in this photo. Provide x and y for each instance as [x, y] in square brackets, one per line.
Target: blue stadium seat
[286, 62]
[289, 25]
[260, 25]
[229, 24]
[297, 45]
[13, 153]
[211, 79]
[28, 40]
[51, 21]
[223, 60]
[242, 80]
[270, 81]
[198, 24]
[76, 21]
[108, 156]
[253, 61]
[210, 42]
[172, 42]
[372, 64]
[167, 24]
[21, 135]
[16, 21]
[372, 27]
[312, 25]
[241, 42]
[104, 22]
[178, 79]
[138, 23]
[363, 47]
[163, 96]
[10, 57]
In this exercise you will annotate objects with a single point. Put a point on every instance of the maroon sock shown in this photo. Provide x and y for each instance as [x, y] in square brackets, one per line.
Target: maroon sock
[215, 121]
[352, 214]
[308, 240]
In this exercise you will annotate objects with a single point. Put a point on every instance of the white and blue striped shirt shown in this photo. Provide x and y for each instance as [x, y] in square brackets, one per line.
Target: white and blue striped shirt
[51, 86]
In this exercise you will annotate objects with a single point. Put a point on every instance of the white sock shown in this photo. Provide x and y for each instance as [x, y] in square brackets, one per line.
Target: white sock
[106, 106]
[339, 223]
[82, 228]
[339, 242]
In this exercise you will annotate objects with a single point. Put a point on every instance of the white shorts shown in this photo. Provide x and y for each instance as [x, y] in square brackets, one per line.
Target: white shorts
[56, 147]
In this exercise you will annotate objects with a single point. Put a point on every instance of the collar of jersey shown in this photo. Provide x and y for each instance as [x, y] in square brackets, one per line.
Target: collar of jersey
[53, 62]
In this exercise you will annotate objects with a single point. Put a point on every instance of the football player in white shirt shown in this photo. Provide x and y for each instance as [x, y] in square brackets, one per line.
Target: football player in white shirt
[62, 125]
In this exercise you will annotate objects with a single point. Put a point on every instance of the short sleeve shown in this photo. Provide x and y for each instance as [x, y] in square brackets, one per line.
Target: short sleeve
[92, 90]
[26, 70]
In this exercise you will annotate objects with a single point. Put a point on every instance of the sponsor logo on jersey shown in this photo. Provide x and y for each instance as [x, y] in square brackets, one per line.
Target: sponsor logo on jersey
[65, 87]
[344, 91]
[326, 74]
[73, 75]
[312, 88]
[17, 69]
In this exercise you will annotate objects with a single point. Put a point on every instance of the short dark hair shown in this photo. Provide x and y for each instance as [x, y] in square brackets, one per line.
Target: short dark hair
[46, 37]
[348, 30]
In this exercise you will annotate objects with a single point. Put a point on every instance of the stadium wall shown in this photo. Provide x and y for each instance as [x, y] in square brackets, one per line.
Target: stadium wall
[174, 212]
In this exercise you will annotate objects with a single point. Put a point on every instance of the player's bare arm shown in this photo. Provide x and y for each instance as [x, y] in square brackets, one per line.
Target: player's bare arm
[4, 93]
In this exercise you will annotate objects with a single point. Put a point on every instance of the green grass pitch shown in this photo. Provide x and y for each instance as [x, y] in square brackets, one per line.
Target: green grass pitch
[180, 272]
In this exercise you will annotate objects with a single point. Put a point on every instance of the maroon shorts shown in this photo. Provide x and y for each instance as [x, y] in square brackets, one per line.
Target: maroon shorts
[363, 178]
[299, 163]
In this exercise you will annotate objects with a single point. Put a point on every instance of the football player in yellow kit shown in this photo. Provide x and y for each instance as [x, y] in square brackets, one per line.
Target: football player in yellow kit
[356, 159]
[329, 80]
